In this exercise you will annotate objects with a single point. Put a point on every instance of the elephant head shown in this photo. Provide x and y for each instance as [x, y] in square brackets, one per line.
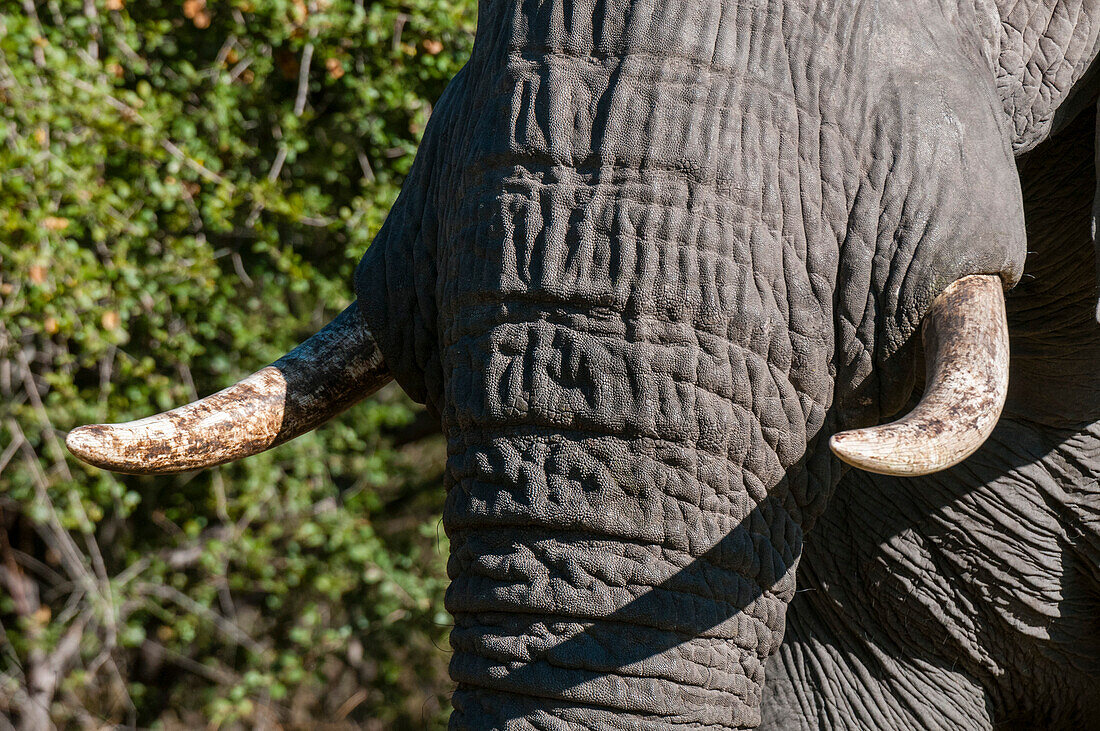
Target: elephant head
[651, 256]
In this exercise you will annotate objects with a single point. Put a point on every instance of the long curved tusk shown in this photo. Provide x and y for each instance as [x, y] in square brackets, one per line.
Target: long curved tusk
[322, 377]
[965, 336]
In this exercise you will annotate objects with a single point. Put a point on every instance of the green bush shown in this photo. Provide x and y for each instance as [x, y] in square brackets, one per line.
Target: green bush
[185, 189]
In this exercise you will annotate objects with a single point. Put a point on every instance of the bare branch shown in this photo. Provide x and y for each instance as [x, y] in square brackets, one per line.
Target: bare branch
[8, 453]
[223, 624]
[238, 267]
[32, 12]
[44, 674]
[58, 457]
[214, 675]
[48, 431]
[53, 532]
[303, 78]
[364, 163]
[223, 52]
[92, 15]
[239, 69]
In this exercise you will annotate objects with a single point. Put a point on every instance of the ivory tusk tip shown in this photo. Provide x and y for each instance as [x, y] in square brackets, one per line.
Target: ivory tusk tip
[865, 450]
[122, 448]
[849, 448]
[115, 447]
[838, 444]
[88, 443]
[81, 441]
[848, 444]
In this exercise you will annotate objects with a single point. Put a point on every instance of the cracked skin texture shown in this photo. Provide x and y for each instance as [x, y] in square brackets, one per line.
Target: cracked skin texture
[969, 599]
[649, 255]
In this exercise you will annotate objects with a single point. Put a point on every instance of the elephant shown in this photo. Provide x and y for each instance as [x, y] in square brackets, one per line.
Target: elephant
[652, 261]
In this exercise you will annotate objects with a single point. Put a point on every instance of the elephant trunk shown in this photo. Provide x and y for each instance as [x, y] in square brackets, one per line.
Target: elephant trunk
[611, 580]
[629, 359]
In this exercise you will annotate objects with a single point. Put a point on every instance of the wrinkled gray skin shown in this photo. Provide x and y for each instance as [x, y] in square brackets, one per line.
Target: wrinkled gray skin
[651, 255]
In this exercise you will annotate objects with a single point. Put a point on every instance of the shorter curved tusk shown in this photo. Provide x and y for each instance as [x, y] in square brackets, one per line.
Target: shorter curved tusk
[322, 377]
[965, 337]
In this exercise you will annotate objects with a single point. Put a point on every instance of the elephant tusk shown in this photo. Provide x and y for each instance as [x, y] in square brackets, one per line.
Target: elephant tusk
[329, 372]
[965, 337]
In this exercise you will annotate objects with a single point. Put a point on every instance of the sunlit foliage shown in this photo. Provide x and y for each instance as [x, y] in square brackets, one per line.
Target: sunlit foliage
[185, 188]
